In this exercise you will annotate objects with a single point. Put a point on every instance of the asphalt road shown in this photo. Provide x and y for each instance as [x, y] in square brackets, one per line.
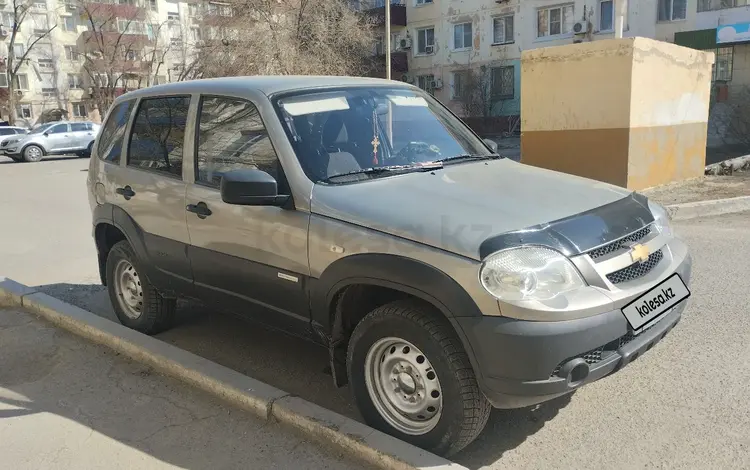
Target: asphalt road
[685, 404]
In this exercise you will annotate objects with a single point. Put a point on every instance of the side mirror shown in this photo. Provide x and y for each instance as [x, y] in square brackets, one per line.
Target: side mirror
[491, 144]
[250, 187]
[46, 134]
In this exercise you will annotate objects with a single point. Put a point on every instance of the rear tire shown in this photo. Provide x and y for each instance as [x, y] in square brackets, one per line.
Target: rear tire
[87, 153]
[33, 153]
[135, 300]
[411, 378]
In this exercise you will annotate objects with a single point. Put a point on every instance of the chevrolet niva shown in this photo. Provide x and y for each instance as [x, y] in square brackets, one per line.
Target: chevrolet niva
[361, 213]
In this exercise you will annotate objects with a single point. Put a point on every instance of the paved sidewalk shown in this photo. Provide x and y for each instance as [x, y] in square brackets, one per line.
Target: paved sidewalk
[68, 404]
[701, 189]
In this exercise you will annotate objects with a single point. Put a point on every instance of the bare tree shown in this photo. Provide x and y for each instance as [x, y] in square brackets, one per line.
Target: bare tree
[41, 29]
[483, 90]
[249, 37]
[122, 50]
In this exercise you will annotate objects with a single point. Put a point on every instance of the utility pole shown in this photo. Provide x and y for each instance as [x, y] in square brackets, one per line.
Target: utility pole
[621, 11]
[388, 39]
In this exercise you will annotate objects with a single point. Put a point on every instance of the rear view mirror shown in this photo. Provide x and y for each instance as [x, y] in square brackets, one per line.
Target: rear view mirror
[491, 144]
[250, 187]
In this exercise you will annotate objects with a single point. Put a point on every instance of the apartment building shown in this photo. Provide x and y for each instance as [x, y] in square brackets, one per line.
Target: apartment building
[374, 10]
[449, 37]
[81, 54]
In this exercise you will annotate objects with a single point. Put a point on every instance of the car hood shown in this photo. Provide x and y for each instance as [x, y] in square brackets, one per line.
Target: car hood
[462, 206]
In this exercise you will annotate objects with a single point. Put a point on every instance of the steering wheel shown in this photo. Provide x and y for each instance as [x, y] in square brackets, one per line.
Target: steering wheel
[409, 153]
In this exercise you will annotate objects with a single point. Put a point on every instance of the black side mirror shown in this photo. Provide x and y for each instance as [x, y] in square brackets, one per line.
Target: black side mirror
[250, 187]
[491, 144]
[46, 134]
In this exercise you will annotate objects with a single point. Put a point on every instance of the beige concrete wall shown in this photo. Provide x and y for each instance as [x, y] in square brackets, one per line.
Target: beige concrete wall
[596, 110]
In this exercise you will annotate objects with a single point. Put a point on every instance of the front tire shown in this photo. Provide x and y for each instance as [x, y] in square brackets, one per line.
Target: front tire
[137, 303]
[33, 153]
[411, 378]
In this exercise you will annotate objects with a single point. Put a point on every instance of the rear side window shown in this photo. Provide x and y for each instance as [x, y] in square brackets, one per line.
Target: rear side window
[78, 127]
[113, 133]
[231, 136]
[158, 137]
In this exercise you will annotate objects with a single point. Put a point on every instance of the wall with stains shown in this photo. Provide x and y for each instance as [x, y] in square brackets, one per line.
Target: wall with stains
[595, 110]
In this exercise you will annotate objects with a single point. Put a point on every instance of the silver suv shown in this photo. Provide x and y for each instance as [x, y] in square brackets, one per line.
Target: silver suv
[54, 138]
[360, 213]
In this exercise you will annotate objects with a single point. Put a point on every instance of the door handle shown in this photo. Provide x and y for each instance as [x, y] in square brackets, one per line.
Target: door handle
[200, 209]
[126, 192]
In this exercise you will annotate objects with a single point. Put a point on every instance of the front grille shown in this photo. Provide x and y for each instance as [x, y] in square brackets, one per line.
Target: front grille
[618, 244]
[636, 270]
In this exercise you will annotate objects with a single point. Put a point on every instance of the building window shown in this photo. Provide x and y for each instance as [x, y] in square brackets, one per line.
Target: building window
[423, 2]
[45, 63]
[379, 46]
[555, 21]
[153, 5]
[503, 82]
[71, 53]
[8, 19]
[722, 68]
[459, 82]
[79, 110]
[160, 80]
[40, 22]
[425, 40]
[606, 15]
[131, 55]
[710, 5]
[462, 37]
[69, 23]
[18, 50]
[21, 81]
[75, 81]
[23, 111]
[426, 82]
[502, 30]
[3, 79]
[40, 6]
[672, 10]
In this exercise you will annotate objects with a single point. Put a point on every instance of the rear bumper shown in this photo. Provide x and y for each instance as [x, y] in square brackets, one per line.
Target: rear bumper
[523, 363]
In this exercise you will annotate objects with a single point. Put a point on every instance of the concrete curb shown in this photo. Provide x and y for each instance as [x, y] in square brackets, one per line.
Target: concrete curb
[316, 423]
[691, 210]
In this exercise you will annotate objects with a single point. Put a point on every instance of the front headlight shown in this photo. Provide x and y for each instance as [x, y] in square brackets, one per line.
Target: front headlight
[12, 141]
[661, 218]
[529, 273]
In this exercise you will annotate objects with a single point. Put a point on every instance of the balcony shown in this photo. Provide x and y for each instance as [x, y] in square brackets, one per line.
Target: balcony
[399, 64]
[103, 40]
[375, 10]
[106, 11]
[134, 67]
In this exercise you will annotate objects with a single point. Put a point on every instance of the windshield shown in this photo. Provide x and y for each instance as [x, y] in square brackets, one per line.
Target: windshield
[41, 128]
[350, 130]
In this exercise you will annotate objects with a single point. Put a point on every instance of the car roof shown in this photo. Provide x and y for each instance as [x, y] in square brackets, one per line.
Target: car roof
[266, 84]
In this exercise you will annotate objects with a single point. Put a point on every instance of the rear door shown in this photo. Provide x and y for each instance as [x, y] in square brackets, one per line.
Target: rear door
[80, 134]
[251, 259]
[150, 190]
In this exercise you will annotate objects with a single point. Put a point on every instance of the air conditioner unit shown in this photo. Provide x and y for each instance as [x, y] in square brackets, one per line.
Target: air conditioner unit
[406, 78]
[19, 92]
[581, 27]
[436, 84]
[404, 43]
[3, 32]
[429, 49]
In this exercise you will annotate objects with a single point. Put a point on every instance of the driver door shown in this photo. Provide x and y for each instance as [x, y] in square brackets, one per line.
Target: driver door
[250, 259]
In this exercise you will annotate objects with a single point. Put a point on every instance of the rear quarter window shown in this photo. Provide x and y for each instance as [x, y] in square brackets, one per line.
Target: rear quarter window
[112, 135]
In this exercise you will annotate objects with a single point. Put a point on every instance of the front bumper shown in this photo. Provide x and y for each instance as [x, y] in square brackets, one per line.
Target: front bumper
[523, 363]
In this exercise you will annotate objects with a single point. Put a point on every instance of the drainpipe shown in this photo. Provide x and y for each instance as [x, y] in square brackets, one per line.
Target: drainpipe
[621, 9]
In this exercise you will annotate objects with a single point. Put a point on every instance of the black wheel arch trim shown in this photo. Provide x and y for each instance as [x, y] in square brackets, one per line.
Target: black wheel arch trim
[118, 218]
[396, 272]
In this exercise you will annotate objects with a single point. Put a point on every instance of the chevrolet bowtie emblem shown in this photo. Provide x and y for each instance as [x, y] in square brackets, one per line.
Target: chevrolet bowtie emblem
[639, 253]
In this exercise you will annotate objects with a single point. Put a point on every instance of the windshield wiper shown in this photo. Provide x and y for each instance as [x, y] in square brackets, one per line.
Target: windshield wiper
[390, 170]
[467, 156]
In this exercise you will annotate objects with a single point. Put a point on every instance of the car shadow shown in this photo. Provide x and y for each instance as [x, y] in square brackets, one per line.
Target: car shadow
[6, 160]
[298, 366]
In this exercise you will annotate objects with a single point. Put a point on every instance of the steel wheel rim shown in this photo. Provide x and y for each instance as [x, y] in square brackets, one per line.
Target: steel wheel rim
[33, 152]
[128, 288]
[403, 386]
